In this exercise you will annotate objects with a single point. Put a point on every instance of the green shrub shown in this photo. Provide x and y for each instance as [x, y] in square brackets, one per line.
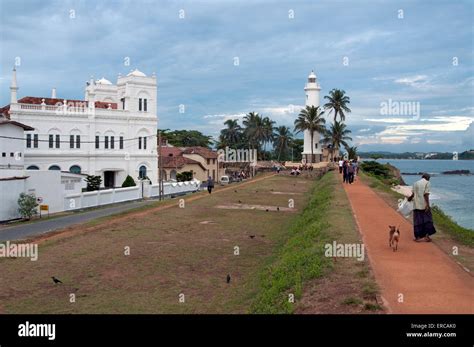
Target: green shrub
[27, 205]
[93, 182]
[129, 182]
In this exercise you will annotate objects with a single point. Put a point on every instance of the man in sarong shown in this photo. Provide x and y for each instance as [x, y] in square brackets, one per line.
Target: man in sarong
[422, 217]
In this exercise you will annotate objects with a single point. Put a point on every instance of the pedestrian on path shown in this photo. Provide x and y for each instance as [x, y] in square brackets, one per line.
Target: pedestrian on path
[210, 184]
[422, 217]
[345, 174]
[341, 163]
[350, 173]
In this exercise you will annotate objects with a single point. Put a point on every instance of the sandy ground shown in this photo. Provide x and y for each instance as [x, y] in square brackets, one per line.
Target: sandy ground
[419, 277]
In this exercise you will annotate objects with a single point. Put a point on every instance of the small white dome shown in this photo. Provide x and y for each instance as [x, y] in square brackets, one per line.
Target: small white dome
[312, 74]
[103, 81]
[136, 73]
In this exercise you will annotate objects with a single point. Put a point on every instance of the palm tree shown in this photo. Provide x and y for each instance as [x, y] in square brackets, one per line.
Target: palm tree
[233, 133]
[337, 102]
[282, 140]
[336, 136]
[252, 121]
[310, 118]
[268, 133]
[351, 152]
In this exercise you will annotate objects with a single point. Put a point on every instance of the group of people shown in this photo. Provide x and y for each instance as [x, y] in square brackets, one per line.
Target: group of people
[296, 170]
[349, 170]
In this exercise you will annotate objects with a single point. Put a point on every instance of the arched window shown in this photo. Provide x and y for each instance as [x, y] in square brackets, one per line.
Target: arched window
[142, 172]
[32, 167]
[75, 169]
[54, 167]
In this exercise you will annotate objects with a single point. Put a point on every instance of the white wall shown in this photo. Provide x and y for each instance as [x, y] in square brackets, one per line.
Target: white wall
[10, 191]
[52, 185]
[11, 166]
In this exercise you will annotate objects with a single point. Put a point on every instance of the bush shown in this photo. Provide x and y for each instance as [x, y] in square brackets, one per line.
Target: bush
[129, 182]
[184, 176]
[93, 182]
[27, 205]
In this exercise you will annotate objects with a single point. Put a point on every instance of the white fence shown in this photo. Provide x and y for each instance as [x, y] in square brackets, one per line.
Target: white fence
[110, 196]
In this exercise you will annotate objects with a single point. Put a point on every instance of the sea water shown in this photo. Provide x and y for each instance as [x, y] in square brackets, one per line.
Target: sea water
[454, 194]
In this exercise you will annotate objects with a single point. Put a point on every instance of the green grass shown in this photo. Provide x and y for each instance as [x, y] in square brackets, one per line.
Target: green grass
[301, 258]
[447, 225]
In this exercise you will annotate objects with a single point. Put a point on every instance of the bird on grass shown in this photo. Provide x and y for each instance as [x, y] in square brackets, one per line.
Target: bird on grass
[251, 236]
[228, 279]
[266, 210]
[55, 280]
[256, 191]
[240, 202]
[235, 191]
[278, 209]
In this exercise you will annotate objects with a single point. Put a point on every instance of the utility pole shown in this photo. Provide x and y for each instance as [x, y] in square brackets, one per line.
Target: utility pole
[160, 168]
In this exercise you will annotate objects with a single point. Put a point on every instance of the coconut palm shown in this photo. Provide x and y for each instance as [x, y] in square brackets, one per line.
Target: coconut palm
[232, 133]
[282, 140]
[337, 103]
[336, 136]
[268, 131]
[351, 152]
[310, 118]
[253, 129]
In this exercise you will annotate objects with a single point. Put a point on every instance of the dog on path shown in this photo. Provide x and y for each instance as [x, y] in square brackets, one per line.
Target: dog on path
[394, 237]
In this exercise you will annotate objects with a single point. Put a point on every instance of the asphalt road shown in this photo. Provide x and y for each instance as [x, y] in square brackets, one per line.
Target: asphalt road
[22, 231]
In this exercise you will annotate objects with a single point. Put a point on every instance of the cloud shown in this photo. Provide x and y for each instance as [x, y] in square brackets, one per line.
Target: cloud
[413, 81]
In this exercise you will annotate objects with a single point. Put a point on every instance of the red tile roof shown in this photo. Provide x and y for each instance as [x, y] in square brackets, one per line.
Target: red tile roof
[171, 151]
[33, 100]
[202, 151]
[51, 102]
[178, 162]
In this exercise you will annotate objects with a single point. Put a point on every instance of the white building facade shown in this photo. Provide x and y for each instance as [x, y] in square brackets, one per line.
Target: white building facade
[111, 133]
[312, 89]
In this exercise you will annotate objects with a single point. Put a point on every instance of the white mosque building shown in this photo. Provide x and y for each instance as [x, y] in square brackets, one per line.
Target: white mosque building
[312, 89]
[111, 133]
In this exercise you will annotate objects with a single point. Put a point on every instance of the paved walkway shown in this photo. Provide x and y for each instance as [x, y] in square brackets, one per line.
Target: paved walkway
[428, 280]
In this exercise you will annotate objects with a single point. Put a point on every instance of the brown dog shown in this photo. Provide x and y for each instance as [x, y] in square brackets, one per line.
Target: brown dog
[394, 236]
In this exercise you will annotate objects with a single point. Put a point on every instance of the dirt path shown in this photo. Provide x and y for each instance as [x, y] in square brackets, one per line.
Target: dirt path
[419, 275]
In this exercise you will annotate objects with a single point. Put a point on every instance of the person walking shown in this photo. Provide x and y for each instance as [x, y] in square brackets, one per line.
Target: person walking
[341, 163]
[210, 184]
[350, 173]
[423, 225]
[344, 171]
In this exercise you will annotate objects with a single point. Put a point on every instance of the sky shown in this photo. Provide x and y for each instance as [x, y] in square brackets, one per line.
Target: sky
[407, 66]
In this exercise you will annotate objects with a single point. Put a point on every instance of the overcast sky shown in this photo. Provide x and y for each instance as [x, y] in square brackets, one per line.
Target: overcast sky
[418, 52]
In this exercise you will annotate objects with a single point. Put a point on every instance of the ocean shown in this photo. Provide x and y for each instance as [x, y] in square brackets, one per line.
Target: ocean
[454, 194]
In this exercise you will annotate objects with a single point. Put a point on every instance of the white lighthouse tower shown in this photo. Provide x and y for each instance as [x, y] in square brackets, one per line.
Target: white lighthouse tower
[312, 89]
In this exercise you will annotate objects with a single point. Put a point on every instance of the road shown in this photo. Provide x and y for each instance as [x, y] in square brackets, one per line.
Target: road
[23, 231]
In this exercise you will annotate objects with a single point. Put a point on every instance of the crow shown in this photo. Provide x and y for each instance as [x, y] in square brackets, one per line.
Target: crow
[278, 209]
[266, 210]
[235, 191]
[240, 202]
[228, 278]
[256, 191]
[251, 236]
[55, 280]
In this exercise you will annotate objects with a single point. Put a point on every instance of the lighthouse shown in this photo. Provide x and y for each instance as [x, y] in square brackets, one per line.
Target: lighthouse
[312, 89]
